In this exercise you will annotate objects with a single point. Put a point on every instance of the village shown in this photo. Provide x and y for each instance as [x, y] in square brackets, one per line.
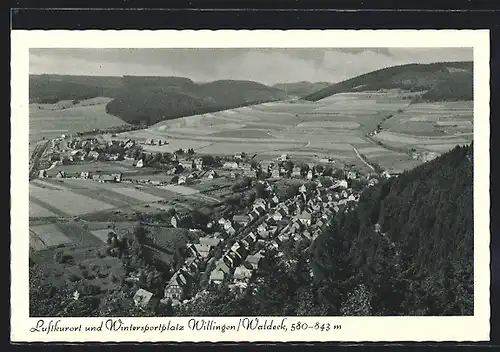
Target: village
[232, 249]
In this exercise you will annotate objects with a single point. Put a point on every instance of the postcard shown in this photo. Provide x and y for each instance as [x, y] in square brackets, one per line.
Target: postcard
[250, 186]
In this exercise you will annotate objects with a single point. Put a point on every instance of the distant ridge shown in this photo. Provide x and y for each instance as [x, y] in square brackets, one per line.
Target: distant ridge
[151, 99]
[442, 81]
[302, 88]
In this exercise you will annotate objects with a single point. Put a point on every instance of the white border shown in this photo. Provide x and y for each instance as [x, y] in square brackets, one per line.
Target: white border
[474, 328]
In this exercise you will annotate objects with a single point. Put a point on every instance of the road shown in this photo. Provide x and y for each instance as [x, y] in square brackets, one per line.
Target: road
[361, 158]
[38, 152]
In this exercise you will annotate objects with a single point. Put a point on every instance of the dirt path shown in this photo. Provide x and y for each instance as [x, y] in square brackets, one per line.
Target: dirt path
[361, 158]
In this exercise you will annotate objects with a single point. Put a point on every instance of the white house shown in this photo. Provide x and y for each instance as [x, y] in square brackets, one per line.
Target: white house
[140, 163]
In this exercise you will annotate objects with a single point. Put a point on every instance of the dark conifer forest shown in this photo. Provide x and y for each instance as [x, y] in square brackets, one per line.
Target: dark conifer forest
[406, 249]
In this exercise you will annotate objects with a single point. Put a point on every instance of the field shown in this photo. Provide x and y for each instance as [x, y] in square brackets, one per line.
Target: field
[52, 120]
[81, 266]
[327, 128]
[429, 126]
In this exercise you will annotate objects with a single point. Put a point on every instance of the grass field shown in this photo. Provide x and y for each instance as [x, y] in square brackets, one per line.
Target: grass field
[52, 120]
[82, 266]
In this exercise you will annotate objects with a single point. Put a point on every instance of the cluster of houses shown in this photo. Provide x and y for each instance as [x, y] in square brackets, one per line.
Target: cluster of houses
[268, 223]
[79, 149]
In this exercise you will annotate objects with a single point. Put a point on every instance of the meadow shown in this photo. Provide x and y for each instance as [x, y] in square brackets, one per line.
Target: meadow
[331, 128]
[64, 117]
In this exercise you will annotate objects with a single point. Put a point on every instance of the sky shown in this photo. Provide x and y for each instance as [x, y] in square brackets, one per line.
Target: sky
[268, 66]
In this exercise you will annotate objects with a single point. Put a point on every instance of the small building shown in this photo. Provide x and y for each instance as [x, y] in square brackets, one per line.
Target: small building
[175, 287]
[202, 250]
[61, 174]
[254, 260]
[243, 220]
[212, 174]
[210, 241]
[241, 273]
[310, 175]
[140, 163]
[181, 180]
[198, 163]
[222, 266]
[179, 221]
[230, 165]
[186, 164]
[275, 173]
[217, 276]
[85, 175]
[296, 172]
[238, 155]
[142, 298]
[42, 174]
[305, 218]
[302, 189]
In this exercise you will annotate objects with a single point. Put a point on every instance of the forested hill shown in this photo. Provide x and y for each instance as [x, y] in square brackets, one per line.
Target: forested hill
[419, 262]
[138, 99]
[440, 81]
[408, 246]
[301, 88]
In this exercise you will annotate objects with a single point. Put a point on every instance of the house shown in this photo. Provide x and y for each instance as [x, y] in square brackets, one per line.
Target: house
[310, 175]
[351, 198]
[283, 157]
[106, 178]
[198, 163]
[94, 155]
[261, 228]
[186, 164]
[175, 287]
[275, 173]
[303, 189]
[228, 260]
[242, 273]
[230, 165]
[212, 174]
[243, 220]
[351, 175]
[179, 221]
[342, 184]
[117, 177]
[231, 231]
[305, 218]
[42, 173]
[238, 155]
[142, 298]
[182, 180]
[222, 266]
[246, 167]
[372, 182]
[217, 276]
[254, 260]
[279, 215]
[85, 175]
[140, 163]
[296, 172]
[202, 249]
[259, 202]
[275, 200]
[61, 174]
[210, 241]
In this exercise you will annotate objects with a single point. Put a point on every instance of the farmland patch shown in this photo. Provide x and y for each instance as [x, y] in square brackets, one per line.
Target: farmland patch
[49, 235]
[179, 189]
[78, 235]
[136, 194]
[37, 211]
[67, 202]
[329, 124]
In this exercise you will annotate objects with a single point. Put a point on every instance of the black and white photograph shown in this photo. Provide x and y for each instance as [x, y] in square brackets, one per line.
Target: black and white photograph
[252, 182]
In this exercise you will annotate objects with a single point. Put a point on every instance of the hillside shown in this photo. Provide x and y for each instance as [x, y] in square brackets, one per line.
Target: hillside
[419, 262]
[151, 99]
[302, 88]
[433, 80]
